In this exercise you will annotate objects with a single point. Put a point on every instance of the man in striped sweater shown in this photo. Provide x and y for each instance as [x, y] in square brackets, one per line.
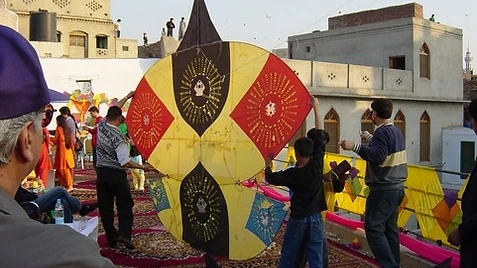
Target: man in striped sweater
[112, 184]
[386, 172]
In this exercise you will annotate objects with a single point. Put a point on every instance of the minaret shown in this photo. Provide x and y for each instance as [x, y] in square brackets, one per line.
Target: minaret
[468, 61]
[8, 17]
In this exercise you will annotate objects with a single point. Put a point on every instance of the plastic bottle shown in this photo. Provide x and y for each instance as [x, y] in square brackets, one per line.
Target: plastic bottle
[59, 212]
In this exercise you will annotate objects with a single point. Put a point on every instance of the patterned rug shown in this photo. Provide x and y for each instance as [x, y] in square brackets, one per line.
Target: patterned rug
[155, 247]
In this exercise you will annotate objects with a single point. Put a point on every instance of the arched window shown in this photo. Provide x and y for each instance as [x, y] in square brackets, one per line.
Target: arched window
[425, 138]
[400, 123]
[78, 39]
[332, 126]
[425, 62]
[78, 44]
[367, 124]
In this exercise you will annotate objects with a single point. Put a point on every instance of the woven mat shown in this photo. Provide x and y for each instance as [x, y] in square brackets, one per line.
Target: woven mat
[157, 248]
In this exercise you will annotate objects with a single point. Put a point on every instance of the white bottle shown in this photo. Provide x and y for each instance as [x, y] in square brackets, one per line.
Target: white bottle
[59, 212]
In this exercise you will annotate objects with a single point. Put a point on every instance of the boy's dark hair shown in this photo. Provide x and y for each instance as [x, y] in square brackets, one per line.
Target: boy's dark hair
[114, 112]
[304, 146]
[65, 110]
[312, 133]
[473, 109]
[93, 109]
[383, 108]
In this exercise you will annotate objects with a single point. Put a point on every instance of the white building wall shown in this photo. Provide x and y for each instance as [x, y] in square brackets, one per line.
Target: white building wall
[350, 110]
[113, 77]
[117, 77]
[445, 46]
[369, 44]
[373, 44]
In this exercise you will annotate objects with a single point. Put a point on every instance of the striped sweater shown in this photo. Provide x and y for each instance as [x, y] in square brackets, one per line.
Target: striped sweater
[386, 158]
[109, 138]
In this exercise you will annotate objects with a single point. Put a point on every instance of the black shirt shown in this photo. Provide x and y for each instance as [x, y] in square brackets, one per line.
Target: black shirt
[305, 182]
[170, 25]
[24, 195]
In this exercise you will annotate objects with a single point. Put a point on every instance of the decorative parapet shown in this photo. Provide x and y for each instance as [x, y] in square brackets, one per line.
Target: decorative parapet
[340, 78]
[365, 77]
[327, 74]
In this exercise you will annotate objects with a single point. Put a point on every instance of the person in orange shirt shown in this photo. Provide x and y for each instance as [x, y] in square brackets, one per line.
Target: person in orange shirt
[64, 157]
[44, 164]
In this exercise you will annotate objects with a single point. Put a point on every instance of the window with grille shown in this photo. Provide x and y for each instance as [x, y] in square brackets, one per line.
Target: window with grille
[332, 126]
[397, 62]
[77, 40]
[425, 62]
[102, 42]
[367, 125]
[400, 123]
[425, 138]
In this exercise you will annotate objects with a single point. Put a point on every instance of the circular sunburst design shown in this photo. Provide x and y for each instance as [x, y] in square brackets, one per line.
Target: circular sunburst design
[200, 90]
[200, 86]
[148, 119]
[203, 205]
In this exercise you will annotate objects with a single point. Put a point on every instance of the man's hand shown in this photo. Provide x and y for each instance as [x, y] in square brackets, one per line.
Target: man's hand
[148, 168]
[268, 160]
[454, 238]
[130, 94]
[315, 102]
[346, 145]
[365, 135]
[328, 176]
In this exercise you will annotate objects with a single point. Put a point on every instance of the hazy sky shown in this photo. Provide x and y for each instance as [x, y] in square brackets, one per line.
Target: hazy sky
[268, 23]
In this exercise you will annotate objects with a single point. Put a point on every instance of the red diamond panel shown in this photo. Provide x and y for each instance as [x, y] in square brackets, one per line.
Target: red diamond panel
[148, 119]
[273, 108]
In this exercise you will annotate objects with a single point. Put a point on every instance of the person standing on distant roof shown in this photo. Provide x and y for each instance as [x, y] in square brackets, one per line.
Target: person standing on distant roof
[182, 28]
[170, 27]
[145, 40]
[117, 28]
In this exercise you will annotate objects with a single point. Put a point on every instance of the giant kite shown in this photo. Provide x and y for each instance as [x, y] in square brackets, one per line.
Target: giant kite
[208, 115]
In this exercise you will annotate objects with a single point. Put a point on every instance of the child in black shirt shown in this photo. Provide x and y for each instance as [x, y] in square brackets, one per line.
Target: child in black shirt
[305, 180]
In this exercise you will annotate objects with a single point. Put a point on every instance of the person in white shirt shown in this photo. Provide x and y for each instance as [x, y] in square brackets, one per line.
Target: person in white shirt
[117, 28]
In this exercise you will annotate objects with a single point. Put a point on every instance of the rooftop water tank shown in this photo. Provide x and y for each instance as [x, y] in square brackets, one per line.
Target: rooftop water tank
[43, 26]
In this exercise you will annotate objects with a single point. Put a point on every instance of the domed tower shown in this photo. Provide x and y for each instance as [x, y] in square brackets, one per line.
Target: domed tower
[468, 61]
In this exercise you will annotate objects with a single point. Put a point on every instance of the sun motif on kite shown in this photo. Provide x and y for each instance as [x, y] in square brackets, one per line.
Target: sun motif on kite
[270, 110]
[149, 121]
[203, 206]
[202, 89]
